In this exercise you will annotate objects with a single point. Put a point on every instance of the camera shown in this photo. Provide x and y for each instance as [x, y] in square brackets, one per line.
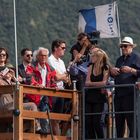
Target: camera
[93, 37]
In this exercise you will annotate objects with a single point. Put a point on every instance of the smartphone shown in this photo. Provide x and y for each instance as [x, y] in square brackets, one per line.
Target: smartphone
[5, 71]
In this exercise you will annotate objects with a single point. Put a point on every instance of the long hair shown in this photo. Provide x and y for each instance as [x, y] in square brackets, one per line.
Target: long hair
[102, 60]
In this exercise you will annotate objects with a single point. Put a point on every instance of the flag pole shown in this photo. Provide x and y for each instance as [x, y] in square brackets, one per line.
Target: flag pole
[118, 27]
[16, 62]
[15, 28]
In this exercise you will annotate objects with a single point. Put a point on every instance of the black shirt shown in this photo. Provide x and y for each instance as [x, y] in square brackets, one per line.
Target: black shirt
[94, 95]
[78, 47]
[133, 60]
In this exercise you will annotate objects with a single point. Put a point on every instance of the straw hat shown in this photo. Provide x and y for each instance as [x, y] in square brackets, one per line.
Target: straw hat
[127, 41]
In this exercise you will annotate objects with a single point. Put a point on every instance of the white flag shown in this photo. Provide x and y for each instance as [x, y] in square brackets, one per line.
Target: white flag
[101, 18]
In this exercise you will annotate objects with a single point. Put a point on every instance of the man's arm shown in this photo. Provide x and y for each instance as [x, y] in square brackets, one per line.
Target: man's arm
[85, 45]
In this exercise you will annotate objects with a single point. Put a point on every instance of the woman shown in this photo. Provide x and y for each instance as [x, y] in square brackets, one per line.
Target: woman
[7, 77]
[6, 74]
[3, 58]
[97, 76]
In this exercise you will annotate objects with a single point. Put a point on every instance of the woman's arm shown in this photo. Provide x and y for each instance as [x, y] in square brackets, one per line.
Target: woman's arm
[88, 82]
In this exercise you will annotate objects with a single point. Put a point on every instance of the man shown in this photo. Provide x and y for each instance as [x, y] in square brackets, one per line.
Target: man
[26, 75]
[45, 76]
[58, 50]
[80, 61]
[79, 52]
[125, 72]
[26, 55]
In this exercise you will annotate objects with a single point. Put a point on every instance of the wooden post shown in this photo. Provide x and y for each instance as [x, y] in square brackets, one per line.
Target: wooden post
[110, 120]
[75, 114]
[17, 119]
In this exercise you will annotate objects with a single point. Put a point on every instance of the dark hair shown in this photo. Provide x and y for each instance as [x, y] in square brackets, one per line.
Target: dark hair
[24, 50]
[56, 43]
[7, 55]
[81, 36]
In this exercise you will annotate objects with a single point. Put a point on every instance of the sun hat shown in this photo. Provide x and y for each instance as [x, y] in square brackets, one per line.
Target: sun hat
[127, 41]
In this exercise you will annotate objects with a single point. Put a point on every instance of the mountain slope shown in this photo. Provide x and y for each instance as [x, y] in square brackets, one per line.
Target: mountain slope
[41, 21]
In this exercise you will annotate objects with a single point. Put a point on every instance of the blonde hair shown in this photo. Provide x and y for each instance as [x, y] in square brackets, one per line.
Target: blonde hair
[102, 60]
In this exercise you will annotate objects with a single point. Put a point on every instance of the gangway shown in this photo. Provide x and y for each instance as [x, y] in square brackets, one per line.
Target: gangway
[18, 116]
[111, 128]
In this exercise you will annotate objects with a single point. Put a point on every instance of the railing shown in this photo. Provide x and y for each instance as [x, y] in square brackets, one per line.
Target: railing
[19, 115]
[111, 130]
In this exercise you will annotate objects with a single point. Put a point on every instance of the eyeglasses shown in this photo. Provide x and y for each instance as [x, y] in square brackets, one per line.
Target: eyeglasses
[123, 46]
[3, 55]
[29, 55]
[43, 55]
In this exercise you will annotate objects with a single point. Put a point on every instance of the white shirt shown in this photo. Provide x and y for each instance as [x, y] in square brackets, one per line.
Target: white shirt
[25, 66]
[43, 72]
[59, 66]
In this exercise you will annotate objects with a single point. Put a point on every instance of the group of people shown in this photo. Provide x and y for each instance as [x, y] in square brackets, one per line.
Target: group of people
[97, 74]
[38, 69]
[90, 67]
[126, 71]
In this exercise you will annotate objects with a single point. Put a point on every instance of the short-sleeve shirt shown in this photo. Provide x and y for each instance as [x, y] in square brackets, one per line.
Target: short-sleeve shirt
[77, 47]
[59, 66]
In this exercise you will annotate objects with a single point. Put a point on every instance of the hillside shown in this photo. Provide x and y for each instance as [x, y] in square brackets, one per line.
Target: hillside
[41, 21]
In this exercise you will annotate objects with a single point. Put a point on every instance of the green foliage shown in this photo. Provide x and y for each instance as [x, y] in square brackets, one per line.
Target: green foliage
[41, 21]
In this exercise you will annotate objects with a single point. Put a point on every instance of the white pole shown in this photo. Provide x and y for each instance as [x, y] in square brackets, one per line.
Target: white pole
[15, 28]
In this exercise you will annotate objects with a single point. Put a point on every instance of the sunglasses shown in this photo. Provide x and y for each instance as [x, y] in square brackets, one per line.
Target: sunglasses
[63, 48]
[29, 55]
[123, 46]
[3, 55]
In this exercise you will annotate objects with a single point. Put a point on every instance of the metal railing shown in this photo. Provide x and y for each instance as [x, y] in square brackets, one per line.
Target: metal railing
[111, 128]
